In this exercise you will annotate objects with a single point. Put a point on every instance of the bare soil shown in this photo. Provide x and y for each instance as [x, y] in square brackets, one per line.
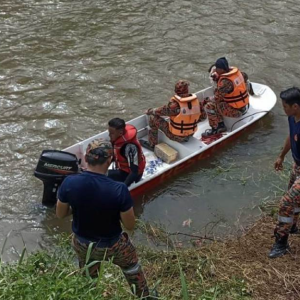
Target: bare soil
[248, 256]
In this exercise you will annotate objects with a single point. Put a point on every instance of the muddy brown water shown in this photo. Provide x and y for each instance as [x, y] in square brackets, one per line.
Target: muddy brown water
[67, 67]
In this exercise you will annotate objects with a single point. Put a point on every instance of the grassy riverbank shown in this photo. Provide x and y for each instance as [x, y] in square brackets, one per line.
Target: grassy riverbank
[234, 269]
[178, 274]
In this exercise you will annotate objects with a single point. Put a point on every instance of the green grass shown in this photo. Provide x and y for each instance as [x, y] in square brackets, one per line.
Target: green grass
[185, 274]
[54, 275]
[191, 274]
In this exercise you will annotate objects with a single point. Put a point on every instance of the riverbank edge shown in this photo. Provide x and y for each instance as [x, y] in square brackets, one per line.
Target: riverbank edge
[237, 268]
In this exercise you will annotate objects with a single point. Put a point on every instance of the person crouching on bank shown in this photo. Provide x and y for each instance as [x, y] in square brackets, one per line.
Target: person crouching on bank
[129, 159]
[99, 205]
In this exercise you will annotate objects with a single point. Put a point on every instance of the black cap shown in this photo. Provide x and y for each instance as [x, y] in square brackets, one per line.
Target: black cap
[99, 148]
[222, 63]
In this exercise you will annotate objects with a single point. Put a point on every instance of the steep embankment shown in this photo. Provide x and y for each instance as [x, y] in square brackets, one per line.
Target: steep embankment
[233, 269]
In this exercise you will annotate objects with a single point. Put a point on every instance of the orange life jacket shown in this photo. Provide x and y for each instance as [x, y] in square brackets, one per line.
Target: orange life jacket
[239, 98]
[185, 123]
[129, 137]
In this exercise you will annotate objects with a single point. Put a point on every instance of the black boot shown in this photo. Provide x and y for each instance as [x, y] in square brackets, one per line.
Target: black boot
[146, 145]
[280, 247]
[294, 229]
[209, 132]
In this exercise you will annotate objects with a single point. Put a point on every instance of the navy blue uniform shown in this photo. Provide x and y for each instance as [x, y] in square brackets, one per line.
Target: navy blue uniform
[96, 202]
[295, 139]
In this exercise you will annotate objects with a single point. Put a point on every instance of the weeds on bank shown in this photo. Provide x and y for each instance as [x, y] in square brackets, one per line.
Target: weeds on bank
[213, 271]
[269, 205]
[54, 275]
[178, 274]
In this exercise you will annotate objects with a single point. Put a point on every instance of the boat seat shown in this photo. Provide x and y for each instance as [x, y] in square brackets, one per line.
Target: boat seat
[234, 123]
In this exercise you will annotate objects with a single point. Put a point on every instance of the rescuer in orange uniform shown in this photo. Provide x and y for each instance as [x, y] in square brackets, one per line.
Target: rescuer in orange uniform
[184, 110]
[231, 96]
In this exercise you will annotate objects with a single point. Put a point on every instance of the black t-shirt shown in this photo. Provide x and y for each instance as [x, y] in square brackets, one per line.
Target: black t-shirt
[96, 202]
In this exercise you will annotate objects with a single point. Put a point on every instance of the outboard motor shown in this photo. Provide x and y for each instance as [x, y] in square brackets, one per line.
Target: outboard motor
[52, 168]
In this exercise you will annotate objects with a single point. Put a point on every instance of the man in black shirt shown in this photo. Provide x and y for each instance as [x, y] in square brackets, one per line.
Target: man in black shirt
[99, 205]
[128, 155]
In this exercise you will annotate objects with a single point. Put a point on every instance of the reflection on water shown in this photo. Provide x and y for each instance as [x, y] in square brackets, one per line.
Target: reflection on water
[68, 66]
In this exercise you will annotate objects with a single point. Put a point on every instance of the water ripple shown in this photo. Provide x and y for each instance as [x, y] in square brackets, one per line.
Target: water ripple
[67, 67]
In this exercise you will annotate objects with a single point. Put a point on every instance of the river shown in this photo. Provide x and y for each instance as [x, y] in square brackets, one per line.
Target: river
[67, 67]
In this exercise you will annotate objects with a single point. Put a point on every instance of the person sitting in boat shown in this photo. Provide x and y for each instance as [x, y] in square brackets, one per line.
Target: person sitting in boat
[231, 96]
[128, 154]
[184, 110]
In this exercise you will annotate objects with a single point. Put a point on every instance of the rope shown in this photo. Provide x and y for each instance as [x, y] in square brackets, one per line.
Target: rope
[210, 139]
[258, 112]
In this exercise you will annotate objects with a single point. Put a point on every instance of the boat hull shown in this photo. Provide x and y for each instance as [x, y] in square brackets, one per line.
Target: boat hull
[177, 170]
[193, 150]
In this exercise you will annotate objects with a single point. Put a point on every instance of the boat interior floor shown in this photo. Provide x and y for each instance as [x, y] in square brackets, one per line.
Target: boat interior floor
[146, 144]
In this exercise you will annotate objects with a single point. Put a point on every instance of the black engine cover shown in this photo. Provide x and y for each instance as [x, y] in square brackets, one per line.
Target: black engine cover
[56, 164]
[52, 168]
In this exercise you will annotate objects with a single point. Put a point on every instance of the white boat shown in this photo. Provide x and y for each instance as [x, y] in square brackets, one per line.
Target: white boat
[188, 152]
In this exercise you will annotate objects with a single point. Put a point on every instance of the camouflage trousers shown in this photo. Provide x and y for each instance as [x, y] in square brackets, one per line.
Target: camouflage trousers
[289, 206]
[122, 254]
[216, 110]
[155, 123]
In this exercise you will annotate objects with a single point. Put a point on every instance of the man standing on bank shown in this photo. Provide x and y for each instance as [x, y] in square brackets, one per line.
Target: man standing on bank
[129, 159]
[289, 206]
[99, 205]
[231, 97]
